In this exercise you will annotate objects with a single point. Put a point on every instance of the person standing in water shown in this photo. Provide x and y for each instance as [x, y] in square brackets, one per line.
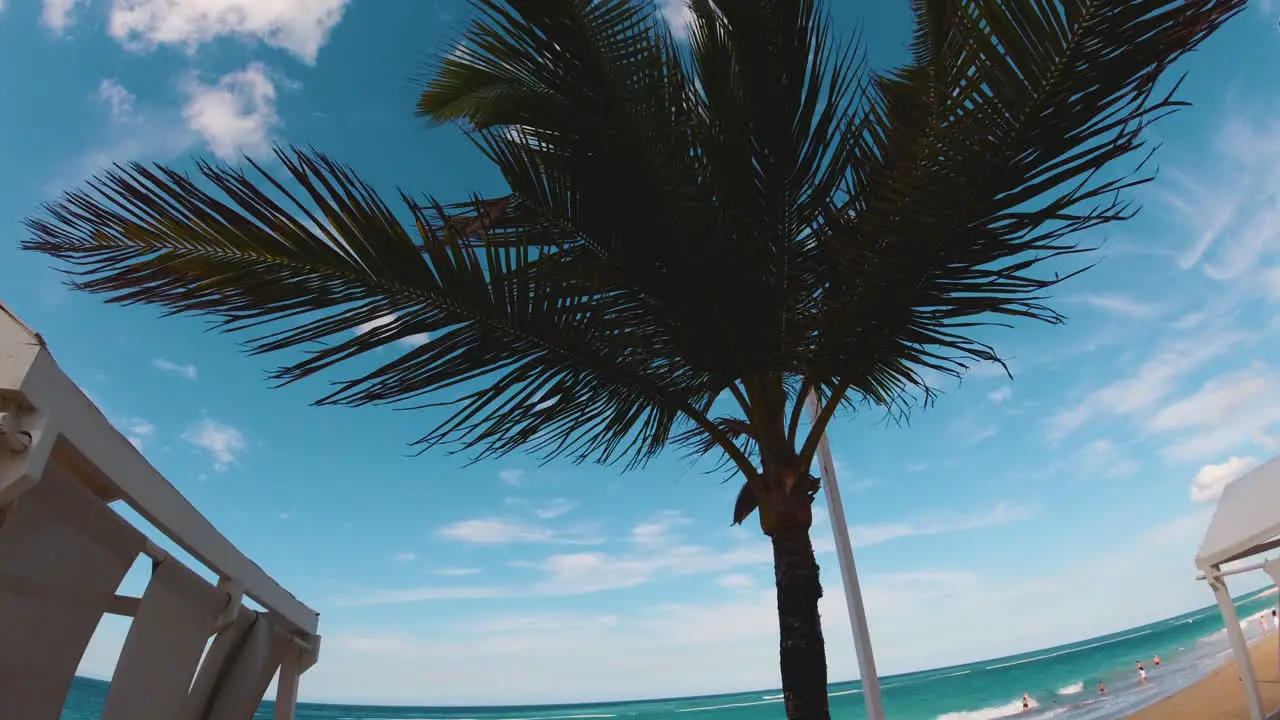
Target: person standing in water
[1102, 689]
[1156, 661]
[1142, 674]
[1026, 702]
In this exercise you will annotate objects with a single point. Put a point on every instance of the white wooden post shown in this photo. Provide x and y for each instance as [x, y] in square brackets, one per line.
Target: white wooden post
[1244, 664]
[287, 683]
[849, 574]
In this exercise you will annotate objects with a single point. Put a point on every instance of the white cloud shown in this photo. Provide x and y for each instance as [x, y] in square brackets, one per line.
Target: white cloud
[137, 430]
[236, 115]
[1150, 383]
[224, 442]
[678, 17]
[499, 531]
[1003, 513]
[1226, 413]
[184, 370]
[118, 99]
[1118, 304]
[1210, 481]
[658, 530]
[554, 508]
[406, 557]
[413, 340]
[57, 15]
[511, 476]
[1000, 395]
[414, 595]
[457, 571]
[736, 581]
[300, 27]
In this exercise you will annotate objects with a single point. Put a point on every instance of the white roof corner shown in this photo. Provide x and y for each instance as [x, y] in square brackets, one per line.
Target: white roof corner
[19, 348]
[1247, 515]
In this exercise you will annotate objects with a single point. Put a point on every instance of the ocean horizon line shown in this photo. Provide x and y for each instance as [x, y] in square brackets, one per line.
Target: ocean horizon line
[770, 695]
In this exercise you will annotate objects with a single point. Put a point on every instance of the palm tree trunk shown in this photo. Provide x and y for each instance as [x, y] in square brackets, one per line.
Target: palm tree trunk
[804, 658]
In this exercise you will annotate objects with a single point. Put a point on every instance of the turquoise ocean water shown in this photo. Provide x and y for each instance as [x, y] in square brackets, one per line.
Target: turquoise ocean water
[1062, 680]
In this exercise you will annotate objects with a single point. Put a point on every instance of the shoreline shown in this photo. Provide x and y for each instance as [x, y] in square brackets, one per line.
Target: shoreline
[1218, 695]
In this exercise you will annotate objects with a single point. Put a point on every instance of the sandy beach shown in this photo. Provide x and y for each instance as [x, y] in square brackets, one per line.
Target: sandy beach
[1218, 696]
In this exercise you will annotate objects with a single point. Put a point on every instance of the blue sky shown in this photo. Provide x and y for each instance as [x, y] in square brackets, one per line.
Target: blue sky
[1013, 515]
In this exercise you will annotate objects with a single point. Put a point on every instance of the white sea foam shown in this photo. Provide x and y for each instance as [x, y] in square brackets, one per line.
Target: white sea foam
[733, 705]
[1068, 651]
[1072, 689]
[989, 713]
[770, 697]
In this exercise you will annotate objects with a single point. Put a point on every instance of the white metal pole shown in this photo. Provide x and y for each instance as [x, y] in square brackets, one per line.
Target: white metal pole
[849, 574]
[1244, 664]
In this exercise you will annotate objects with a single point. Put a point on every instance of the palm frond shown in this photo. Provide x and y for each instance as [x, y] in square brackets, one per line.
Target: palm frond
[539, 364]
[994, 148]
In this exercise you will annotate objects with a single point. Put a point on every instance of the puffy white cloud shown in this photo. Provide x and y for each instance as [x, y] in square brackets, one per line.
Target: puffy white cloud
[236, 115]
[183, 370]
[58, 15]
[300, 27]
[224, 442]
[1211, 480]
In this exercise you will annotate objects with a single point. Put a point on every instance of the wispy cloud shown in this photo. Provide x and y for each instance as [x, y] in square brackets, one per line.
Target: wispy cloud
[456, 571]
[137, 430]
[1150, 383]
[413, 595]
[406, 557]
[1000, 395]
[554, 508]
[1118, 304]
[501, 531]
[184, 370]
[224, 442]
[1003, 513]
[513, 477]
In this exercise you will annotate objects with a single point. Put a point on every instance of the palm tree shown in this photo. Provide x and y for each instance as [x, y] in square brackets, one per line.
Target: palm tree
[696, 235]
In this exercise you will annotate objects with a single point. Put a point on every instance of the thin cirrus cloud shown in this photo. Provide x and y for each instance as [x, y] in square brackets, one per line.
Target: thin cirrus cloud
[501, 531]
[656, 548]
[182, 370]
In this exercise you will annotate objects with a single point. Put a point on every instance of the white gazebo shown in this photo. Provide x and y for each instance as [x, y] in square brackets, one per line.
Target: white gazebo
[1245, 524]
[194, 650]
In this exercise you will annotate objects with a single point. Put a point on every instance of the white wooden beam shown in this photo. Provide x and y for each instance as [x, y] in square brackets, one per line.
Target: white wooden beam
[28, 374]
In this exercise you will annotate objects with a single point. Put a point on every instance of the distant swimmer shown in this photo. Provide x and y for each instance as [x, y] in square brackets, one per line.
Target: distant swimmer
[1102, 689]
[1026, 702]
[1142, 674]
[1156, 662]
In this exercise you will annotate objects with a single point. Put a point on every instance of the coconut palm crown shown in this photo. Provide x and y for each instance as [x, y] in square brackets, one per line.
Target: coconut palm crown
[698, 233]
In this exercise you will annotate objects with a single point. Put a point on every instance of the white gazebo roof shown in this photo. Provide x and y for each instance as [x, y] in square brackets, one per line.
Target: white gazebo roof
[1247, 519]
